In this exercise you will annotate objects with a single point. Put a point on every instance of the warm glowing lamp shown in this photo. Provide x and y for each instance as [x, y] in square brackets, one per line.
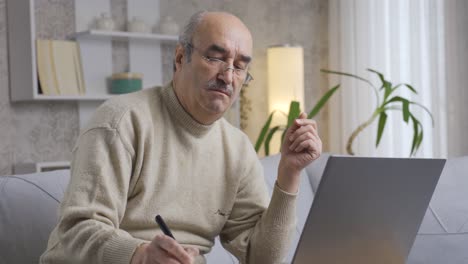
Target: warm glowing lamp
[285, 83]
[285, 77]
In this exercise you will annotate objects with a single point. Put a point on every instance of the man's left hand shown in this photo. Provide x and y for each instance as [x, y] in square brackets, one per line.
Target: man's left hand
[300, 147]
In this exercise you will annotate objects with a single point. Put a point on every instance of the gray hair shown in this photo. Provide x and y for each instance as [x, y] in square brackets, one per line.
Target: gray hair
[186, 36]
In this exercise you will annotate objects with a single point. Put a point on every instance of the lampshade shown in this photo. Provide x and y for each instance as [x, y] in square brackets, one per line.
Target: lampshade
[285, 83]
[285, 77]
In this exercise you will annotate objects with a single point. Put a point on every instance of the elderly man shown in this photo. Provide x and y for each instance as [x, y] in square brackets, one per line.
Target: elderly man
[168, 151]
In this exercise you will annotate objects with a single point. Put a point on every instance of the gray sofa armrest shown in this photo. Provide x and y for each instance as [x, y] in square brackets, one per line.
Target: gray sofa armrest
[28, 213]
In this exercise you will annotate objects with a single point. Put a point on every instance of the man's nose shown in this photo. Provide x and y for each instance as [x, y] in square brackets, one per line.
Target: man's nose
[227, 75]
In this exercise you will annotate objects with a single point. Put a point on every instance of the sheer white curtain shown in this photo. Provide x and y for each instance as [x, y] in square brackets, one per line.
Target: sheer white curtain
[456, 42]
[404, 40]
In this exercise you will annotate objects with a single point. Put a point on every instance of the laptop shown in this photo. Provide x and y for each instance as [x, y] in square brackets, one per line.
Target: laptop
[367, 210]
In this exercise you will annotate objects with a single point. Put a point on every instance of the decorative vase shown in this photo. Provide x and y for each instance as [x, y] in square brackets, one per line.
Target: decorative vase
[105, 22]
[137, 25]
[168, 26]
[126, 82]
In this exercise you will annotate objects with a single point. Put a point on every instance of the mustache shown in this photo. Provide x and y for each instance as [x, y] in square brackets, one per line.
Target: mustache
[220, 86]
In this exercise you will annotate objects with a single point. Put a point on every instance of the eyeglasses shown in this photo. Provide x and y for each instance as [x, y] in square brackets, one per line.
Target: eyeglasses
[224, 66]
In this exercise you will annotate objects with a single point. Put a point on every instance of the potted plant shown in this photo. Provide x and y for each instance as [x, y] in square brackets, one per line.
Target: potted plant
[386, 101]
[267, 132]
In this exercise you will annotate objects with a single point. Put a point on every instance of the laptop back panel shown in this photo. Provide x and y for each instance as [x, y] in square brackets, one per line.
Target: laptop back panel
[367, 210]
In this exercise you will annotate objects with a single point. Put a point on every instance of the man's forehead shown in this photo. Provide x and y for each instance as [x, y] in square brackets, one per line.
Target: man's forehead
[224, 31]
[243, 56]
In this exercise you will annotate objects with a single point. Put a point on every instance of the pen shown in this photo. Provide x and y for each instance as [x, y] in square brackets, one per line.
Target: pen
[163, 226]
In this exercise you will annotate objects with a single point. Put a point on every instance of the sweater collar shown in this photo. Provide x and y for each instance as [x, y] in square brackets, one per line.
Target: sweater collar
[177, 111]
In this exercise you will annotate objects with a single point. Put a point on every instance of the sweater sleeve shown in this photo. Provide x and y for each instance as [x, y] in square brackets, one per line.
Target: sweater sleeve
[255, 233]
[94, 204]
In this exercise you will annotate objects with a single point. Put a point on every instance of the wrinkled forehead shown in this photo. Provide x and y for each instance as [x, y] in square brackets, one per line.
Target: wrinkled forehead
[224, 31]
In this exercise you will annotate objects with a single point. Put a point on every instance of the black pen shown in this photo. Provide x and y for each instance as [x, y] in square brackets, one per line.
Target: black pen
[163, 226]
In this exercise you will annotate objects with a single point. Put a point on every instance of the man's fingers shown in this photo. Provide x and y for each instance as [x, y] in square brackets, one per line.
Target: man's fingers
[297, 123]
[300, 139]
[314, 148]
[309, 144]
[174, 249]
[303, 122]
[155, 254]
[303, 130]
[307, 125]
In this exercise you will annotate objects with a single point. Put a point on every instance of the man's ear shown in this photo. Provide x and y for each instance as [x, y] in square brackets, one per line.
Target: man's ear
[179, 57]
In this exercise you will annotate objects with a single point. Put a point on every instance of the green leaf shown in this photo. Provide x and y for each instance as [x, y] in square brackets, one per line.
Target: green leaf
[417, 138]
[420, 138]
[263, 132]
[294, 112]
[347, 74]
[411, 88]
[283, 135]
[392, 108]
[388, 89]
[405, 101]
[268, 139]
[381, 76]
[407, 85]
[322, 102]
[426, 110]
[377, 98]
[388, 92]
[385, 84]
[381, 126]
[395, 99]
[406, 111]
[415, 134]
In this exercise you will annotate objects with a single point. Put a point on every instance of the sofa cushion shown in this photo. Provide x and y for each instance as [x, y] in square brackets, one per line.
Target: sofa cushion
[443, 235]
[304, 198]
[450, 199]
[28, 213]
[439, 248]
[219, 255]
[315, 170]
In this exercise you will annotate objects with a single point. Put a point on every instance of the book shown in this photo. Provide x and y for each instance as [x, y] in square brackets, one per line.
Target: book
[59, 67]
[79, 69]
[45, 68]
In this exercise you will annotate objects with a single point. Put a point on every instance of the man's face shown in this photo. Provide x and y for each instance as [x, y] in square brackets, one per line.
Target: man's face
[212, 79]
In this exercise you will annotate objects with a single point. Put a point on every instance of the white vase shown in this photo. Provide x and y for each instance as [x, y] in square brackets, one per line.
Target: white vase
[137, 25]
[105, 22]
[168, 26]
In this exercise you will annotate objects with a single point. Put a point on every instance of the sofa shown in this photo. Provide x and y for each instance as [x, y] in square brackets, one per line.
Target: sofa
[28, 212]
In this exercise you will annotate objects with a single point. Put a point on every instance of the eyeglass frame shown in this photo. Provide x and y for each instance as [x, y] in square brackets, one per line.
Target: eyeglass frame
[248, 76]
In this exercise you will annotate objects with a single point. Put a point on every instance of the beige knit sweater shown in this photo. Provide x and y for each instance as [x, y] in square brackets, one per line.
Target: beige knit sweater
[143, 155]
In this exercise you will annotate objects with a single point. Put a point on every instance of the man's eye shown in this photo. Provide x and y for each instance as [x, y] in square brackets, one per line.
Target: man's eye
[240, 67]
[214, 59]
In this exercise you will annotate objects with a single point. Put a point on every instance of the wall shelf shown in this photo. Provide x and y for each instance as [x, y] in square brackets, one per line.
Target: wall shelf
[144, 49]
[24, 168]
[86, 97]
[124, 36]
[95, 51]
